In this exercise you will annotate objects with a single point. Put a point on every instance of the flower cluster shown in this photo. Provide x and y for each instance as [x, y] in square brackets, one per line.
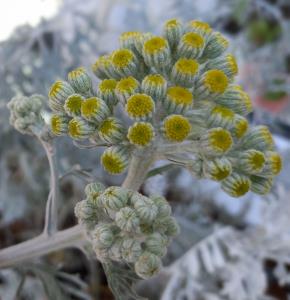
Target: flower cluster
[25, 113]
[175, 89]
[126, 226]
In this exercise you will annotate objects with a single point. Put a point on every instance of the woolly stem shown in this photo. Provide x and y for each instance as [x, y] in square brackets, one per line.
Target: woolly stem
[41, 245]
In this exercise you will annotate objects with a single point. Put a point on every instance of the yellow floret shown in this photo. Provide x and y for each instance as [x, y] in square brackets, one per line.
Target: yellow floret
[128, 84]
[56, 124]
[220, 139]
[155, 44]
[73, 104]
[129, 35]
[108, 126]
[216, 81]
[122, 58]
[90, 106]
[201, 25]
[107, 85]
[232, 64]
[140, 106]
[141, 134]
[179, 95]
[193, 40]
[187, 66]
[74, 129]
[176, 128]
[55, 88]
[155, 79]
[113, 163]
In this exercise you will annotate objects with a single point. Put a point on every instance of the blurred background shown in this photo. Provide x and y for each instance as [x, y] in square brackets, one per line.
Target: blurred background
[229, 249]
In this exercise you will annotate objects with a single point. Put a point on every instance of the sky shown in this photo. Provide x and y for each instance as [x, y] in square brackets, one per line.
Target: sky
[18, 12]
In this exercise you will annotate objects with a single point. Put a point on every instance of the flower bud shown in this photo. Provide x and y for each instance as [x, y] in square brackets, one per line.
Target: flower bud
[58, 93]
[111, 130]
[216, 45]
[128, 39]
[141, 134]
[73, 105]
[164, 209]
[86, 214]
[80, 129]
[258, 138]
[236, 185]
[227, 64]
[131, 250]
[172, 31]
[199, 27]
[155, 86]
[221, 117]
[261, 185]
[127, 220]
[106, 91]
[191, 45]
[217, 169]
[178, 99]
[211, 84]
[185, 72]
[216, 141]
[103, 236]
[176, 128]
[80, 80]
[59, 124]
[251, 161]
[140, 107]
[167, 226]
[94, 110]
[115, 159]
[156, 52]
[236, 99]
[123, 63]
[156, 244]
[141, 39]
[147, 265]
[126, 87]
[273, 164]
[240, 127]
[146, 209]
[101, 67]
[93, 191]
[114, 198]
[115, 251]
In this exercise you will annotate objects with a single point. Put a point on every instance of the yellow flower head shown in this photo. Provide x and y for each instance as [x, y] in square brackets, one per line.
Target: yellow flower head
[140, 106]
[273, 163]
[79, 128]
[236, 185]
[101, 66]
[111, 130]
[122, 58]
[215, 81]
[232, 63]
[192, 40]
[155, 45]
[59, 124]
[141, 134]
[218, 169]
[199, 25]
[216, 141]
[179, 95]
[176, 128]
[172, 23]
[187, 66]
[240, 127]
[107, 85]
[94, 109]
[114, 160]
[127, 85]
[58, 93]
[252, 161]
[73, 105]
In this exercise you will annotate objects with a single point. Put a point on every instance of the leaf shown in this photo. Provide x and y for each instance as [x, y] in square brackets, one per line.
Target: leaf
[121, 280]
[159, 170]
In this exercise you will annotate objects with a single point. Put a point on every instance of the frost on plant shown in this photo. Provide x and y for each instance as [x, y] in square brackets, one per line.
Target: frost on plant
[179, 103]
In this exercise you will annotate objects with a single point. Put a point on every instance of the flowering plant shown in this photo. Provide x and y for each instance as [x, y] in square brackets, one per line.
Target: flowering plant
[169, 97]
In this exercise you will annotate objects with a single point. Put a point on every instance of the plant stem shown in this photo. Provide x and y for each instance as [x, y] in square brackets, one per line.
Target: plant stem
[138, 169]
[41, 245]
[51, 211]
